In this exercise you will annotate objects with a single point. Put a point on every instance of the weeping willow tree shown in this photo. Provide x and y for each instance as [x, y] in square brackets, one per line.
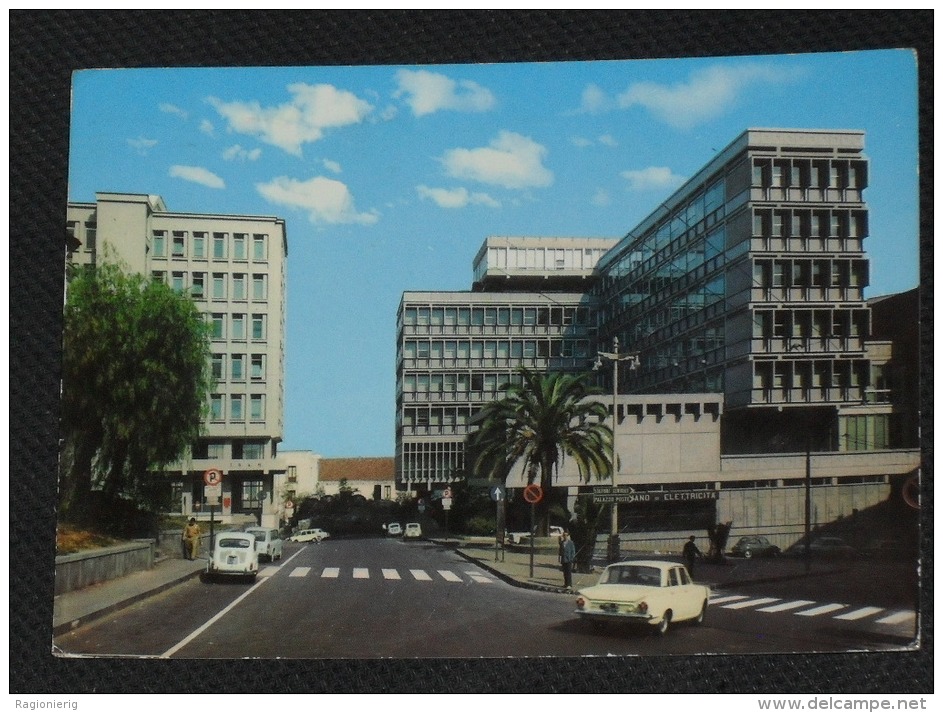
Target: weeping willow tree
[536, 425]
[135, 381]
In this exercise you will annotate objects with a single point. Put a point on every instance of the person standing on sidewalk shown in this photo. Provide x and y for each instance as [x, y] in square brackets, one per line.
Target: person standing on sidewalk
[191, 539]
[567, 558]
[691, 553]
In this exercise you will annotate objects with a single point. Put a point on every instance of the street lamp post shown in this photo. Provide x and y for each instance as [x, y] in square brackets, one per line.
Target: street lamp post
[615, 357]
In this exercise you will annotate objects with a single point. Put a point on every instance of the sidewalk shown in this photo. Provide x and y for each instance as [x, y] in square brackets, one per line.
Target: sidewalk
[81, 606]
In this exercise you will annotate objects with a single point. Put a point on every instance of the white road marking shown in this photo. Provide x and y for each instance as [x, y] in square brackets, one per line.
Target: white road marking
[751, 603]
[478, 577]
[449, 576]
[898, 617]
[786, 606]
[331, 572]
[730, 598]
[420, 575]
[824, 609]
[390, 574]
[268, 571]
[300, 572]
[361, 573]
[859, 613]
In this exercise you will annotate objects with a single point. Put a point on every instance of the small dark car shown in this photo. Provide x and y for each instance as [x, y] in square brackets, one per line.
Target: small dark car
[754, 546]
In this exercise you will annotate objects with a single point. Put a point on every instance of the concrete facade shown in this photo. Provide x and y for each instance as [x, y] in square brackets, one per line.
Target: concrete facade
[233, 266]
[742, 298]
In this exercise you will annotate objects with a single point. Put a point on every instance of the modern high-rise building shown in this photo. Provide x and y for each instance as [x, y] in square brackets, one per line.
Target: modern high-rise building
[233, 266]
[742, 296]
[455, 350]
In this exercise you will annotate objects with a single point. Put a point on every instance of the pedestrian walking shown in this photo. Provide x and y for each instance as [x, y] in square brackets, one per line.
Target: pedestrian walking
[191, 539]
[567, 558]
[691, 553]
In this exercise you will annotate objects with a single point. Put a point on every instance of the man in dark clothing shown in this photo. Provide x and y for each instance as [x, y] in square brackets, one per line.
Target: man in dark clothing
[567, 558]
[690, 553]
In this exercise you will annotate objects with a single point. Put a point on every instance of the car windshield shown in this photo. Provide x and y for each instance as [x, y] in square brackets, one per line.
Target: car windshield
[632, 574]
[234, 542]
[259, 534]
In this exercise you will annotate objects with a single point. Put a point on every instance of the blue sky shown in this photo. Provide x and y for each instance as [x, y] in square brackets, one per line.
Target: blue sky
[389, 178]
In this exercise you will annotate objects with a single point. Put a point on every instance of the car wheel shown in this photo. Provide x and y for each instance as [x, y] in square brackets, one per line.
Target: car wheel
[664, 624]
[700, 617]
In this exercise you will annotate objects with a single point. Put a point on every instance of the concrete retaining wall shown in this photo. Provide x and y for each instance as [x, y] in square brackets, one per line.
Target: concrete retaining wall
[82, 569]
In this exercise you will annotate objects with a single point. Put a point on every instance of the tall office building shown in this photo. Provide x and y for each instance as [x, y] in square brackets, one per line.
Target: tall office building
[233, 266]
[456, 349]
[742, 296]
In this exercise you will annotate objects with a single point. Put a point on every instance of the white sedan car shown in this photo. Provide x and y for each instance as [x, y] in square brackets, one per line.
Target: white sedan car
[413, 531]
[234, 554]
[313, 535]
[268, 542]
[648, 592]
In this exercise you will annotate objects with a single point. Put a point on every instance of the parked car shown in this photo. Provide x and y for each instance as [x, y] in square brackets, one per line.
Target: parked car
[235, 555]
[311, 535]
[754, 546]
[268, 543]
[825, 548]
[649, 592]
[394, 529]
[891, 550]
[412, 531]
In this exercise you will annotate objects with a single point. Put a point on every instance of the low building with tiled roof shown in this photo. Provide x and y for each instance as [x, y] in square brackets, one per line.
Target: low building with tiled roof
[374, 478]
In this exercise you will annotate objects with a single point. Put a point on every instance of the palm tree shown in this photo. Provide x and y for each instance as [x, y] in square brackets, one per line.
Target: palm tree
[538, 423]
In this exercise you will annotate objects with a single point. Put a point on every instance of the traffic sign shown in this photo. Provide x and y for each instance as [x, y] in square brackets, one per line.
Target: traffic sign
[497, 493]
[213, 476]
[213, 491]
[446, 503]
[447, 493]
[289, 505]
[533, 493]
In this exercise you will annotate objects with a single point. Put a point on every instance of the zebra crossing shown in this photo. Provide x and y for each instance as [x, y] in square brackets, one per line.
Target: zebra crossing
[387, 574]
[810, 609]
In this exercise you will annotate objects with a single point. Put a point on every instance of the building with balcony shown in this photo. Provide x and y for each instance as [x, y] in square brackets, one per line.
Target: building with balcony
[233, 266]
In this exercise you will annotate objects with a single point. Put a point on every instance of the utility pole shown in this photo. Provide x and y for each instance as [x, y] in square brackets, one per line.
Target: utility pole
[613, 549]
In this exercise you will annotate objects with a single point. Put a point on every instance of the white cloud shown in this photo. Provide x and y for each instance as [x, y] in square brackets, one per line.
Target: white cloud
[608, 140]
[197, 174]
[234, 153]
[511, 161]
[652, 178]
[206, 126]
[601, 198]
[312, 109]
[142, 145]
[325, 200]
[594, 100]
[581, 142]
[173, 109]
[427, 92]
[707, 94]
[332, 166]
[456, 197]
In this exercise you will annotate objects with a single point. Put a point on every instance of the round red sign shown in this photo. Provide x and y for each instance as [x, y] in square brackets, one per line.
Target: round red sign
[533, 494]
[213, 476]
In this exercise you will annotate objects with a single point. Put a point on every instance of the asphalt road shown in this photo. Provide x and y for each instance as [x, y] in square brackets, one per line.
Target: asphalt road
[386, 598]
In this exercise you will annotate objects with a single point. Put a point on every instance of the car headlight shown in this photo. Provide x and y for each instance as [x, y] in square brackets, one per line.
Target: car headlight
[643, 607]
[580, 603]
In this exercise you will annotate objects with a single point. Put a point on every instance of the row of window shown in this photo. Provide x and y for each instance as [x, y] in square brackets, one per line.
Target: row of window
[431, 461]
[788, 222]
[494, 316]
[810, 374]
[223, 286]
[809, 173]
[444, 416]
[807, 323]
[463, 382]
[237, 364]
[495, 349]
[223, 450]
[90, 236]
[200, 246]
[237, 326]
[236, 410]
[539, 258]
[799, 272]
